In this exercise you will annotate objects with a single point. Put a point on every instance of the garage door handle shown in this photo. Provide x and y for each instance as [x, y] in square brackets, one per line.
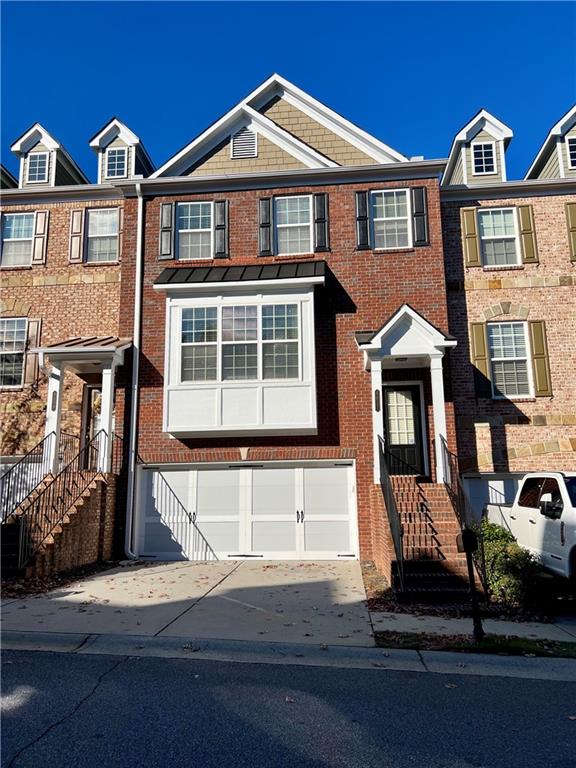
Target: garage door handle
[301, 515]
[193, 517]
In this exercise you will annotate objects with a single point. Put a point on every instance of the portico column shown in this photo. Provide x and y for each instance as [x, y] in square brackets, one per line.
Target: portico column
[53, 417]
[106, 414]
[377, 414]
[439, 408]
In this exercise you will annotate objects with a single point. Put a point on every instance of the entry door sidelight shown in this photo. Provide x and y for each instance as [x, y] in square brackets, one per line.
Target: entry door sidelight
[403, 430]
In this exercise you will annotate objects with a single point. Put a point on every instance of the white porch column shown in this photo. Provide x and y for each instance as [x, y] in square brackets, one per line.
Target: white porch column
[439, 408]
[106, 414]
[53, 414]
[377, 414]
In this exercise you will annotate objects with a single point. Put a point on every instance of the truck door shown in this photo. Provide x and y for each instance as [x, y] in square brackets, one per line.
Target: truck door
[550, 528]
[524, 516]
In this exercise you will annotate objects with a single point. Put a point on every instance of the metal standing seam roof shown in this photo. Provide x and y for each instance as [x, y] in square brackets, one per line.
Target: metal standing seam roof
[88, 343]
[284, 271]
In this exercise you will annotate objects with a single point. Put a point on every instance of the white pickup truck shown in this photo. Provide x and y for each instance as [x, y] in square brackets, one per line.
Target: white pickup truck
[542, 519]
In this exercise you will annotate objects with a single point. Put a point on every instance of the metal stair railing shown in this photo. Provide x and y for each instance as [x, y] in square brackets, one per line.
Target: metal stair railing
[47, 511]
[22, 477]
[395, 523]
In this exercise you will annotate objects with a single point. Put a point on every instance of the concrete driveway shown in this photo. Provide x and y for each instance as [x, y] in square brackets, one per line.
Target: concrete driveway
[289, 602]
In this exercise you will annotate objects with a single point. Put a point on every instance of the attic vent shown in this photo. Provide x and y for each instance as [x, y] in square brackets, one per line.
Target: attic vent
[244, 143]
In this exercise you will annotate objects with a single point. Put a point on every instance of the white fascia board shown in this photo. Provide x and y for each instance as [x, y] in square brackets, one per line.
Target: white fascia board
[432, 334]
[110, 131]
[287, 141]
[484, 121]
[331, 120]
[240, 285]
[32, 137]
[562, 126]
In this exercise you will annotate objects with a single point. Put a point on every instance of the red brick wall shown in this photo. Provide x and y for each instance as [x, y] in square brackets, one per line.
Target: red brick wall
[71, 300]
[537, 433]
[366, 289]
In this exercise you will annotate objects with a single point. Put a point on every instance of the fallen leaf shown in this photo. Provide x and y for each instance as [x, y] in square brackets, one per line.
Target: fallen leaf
[290, 700]
[450, 685]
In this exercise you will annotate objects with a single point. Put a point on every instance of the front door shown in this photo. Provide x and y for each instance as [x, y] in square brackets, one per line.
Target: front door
[403, 429]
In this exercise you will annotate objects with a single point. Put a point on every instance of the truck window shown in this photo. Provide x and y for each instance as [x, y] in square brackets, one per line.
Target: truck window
[571, 486]
[530, 492]
[550, 485]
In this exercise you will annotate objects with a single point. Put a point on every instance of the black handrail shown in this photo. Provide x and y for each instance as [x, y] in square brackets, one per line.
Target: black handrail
[398, 466]
[396, 528]
[49, 508]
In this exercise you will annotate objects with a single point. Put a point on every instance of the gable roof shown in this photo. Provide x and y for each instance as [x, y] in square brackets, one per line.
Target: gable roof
[372, 340]
[246, 114]
[113, 128]
[560, 129]
[482, 120]
[36, 133]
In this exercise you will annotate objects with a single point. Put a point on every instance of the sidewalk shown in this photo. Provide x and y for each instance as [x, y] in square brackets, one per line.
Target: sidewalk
[563, 630]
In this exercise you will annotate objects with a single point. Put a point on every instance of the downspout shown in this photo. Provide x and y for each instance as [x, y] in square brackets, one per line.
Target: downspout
[133, 442]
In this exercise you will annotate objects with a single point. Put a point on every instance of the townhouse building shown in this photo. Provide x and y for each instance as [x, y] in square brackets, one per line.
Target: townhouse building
[510, 252]
[290, 324]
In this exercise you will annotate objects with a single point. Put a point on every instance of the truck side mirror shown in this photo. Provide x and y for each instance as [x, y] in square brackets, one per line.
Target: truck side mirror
[550, 509]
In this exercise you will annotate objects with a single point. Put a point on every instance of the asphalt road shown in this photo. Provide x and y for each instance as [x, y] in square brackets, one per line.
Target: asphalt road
[93, 711]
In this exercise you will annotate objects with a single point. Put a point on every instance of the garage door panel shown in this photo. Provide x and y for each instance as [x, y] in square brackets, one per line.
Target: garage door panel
[218, 492]
[221, 537]
[326, 490]
[327, 536]
[274, 536]
[273, 492]
[159, 537]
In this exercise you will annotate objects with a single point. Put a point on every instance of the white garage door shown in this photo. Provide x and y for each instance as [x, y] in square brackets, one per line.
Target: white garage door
[267, 511]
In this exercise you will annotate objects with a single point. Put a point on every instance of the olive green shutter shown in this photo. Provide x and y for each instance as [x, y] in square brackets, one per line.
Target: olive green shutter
[480, 359]
[540, 361]
[571, 222]
[470, 237]
[527, 234]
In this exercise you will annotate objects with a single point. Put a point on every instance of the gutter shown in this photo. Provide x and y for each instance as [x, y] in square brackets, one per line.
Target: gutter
[504, 188]
[136, 342]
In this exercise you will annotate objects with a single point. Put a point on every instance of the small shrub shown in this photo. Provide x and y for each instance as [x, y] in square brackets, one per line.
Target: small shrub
[510, 570]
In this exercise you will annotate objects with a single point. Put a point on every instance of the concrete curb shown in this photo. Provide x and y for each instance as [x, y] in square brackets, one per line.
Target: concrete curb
[349, 657]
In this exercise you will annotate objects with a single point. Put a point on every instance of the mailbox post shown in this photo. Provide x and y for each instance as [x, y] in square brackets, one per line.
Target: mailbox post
[467, 542]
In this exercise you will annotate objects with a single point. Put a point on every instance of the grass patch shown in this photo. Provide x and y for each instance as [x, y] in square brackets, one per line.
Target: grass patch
[501, 645]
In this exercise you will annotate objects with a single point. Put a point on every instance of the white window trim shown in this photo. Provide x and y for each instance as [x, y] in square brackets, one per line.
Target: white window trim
[494, 156]
[116, 176]
[571, 166]
[239, 301]
[178, 231]
[528, 358]
[289, 226]
[408, 218]
[17, 239]
[87, 238]
[518, 261]
[245, 157]
[7, 387]
[37, 181]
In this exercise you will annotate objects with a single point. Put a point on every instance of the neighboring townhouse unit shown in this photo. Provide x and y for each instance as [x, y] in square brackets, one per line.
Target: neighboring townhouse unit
[510, 250]
[293, 315]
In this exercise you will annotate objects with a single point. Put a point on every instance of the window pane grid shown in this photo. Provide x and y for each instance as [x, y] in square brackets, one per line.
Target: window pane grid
[239, 362]
[293, 224]
[102, 235]
[38, 167]
[17, 232]
[483, 158]
[572, 152]
[194, 230]
[497, 231]
[116, 162]
[12, 348]
[400, 410]
[390, 219]
[509, 359]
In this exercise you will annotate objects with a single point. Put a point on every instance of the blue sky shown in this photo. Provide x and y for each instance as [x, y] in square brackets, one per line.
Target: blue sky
[410, 73]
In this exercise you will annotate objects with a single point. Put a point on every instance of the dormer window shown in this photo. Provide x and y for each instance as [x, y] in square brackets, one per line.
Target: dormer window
[483, 157]
[116, 162]
[571, 149]
[37, 168]
[243, 144]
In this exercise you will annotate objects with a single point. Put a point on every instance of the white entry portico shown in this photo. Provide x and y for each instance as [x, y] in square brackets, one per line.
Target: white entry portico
[406, 340]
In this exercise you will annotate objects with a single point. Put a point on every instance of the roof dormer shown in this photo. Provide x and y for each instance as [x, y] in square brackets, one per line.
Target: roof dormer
[477, 156]
[44, 161]
[556, 158]
[121, 154]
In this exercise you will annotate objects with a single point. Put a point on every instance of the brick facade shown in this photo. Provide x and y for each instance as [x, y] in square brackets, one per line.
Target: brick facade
[533, 433]
[363, 291]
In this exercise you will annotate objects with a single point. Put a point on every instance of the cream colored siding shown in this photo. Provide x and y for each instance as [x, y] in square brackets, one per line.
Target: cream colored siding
[270, 158]
[315, 135]
[492, 178]
[551, 168]
[457, 174]
[37, 148]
